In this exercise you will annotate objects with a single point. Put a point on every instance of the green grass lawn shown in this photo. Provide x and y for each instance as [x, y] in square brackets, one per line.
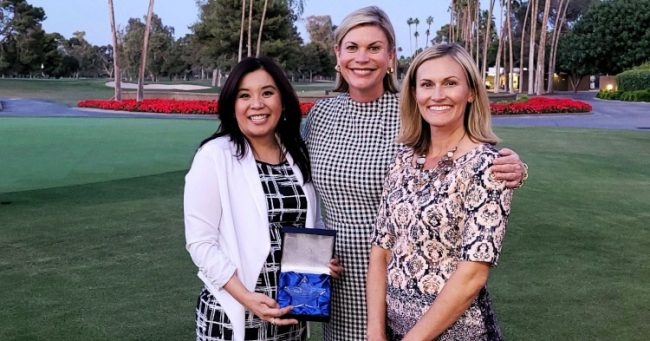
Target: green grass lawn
[92, 244]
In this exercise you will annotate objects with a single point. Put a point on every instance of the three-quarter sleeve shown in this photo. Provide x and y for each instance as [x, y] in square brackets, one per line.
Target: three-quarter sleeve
[487, 207]
[384, 232]
[203, 211]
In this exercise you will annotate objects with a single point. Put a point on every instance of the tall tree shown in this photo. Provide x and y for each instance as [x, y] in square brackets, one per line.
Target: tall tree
[259, 35]
[321, 30]
[219, 24]
[410, 22]
[416, 21]
[143, 58]
[428, 31]
[541, 53]
[486, 41]
[497, 68]
[531, 46]
[250, 27]
[117, 71]
[241, 31]
[611, 37]
[510, 54]
[521, 50]
[557, 30]
[21, 38]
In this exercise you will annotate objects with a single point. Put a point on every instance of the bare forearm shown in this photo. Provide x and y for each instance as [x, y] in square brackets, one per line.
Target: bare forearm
[457, 295]
[376, 293]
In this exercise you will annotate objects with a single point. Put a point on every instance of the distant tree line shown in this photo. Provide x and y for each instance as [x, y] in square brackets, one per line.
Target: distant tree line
[576, 38]
[541, 38]
[211, 48]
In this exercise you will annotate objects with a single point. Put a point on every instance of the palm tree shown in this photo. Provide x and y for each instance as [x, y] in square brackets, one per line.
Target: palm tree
[409, 22]
[143, 56]
[531, 46]
[416, 21]
[250, 29]
[511, 61]
[542, 49]
[117, 72]
[259, 35]
[241, 30]
[521, 50]
[487, 39]
[428, 31]
[559, 23]
[416, 35]
[497, 66]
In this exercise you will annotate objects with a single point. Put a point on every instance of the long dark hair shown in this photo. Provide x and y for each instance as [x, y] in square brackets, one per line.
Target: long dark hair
[288, 128]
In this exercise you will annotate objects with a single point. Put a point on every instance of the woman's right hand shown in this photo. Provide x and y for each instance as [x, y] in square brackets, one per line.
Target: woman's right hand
[268, 309]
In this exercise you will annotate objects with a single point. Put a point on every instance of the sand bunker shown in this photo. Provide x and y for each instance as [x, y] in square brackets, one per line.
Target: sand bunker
[160, 86]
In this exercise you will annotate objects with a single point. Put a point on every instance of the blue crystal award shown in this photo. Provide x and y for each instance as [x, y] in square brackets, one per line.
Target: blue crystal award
[305, 281]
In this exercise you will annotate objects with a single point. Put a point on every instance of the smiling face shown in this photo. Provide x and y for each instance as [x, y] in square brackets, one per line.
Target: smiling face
[364, 56]
[258, 106]
[442, 93]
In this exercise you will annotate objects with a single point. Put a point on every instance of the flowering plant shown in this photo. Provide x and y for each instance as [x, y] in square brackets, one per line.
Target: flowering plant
[535, 105]
[154, 105]
[540, 105]
[158, 105]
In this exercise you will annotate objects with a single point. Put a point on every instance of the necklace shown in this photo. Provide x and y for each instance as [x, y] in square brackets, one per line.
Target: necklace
[446, 161]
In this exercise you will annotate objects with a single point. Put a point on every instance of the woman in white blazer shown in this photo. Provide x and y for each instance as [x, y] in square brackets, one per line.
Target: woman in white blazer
[246, 181]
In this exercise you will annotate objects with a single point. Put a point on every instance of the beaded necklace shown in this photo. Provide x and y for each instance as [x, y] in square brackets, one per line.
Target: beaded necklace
[445, 165]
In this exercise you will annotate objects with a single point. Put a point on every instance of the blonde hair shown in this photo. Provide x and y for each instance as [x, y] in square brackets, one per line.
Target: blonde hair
[369, 16]
[414, 131]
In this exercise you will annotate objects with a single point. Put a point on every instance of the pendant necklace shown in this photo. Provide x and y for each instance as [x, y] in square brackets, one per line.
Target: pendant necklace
[445, 164]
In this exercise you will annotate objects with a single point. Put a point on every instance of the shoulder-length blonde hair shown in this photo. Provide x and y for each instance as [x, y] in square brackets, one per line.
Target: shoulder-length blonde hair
[415, 131]
[369, 16]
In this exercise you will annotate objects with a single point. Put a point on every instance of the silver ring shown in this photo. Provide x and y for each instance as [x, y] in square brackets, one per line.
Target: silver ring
[272, 320]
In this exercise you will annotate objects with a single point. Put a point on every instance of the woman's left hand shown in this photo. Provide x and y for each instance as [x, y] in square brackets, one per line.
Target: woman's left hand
[336, 269]
[509, 168]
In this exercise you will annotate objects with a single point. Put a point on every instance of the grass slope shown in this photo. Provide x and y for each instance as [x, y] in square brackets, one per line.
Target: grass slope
[104, 259]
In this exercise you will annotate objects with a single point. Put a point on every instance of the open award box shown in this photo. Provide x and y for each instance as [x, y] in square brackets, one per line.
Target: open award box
[305, 282]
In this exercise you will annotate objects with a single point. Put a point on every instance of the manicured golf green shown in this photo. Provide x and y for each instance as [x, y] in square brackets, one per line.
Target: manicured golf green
[92, 244]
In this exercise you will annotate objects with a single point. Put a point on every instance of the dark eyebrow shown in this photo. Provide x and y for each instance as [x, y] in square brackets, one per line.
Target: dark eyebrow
[270, 86]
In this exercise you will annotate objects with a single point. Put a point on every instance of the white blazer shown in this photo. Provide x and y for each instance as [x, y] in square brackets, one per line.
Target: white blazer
[226, 221]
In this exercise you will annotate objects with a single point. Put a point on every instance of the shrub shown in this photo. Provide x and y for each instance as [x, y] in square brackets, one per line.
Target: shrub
[609, 95]
[635, 79]
[636, 96]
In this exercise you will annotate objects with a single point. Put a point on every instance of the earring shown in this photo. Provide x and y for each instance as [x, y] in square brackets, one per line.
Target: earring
[390, 70]
[284, 117]
[337, 68]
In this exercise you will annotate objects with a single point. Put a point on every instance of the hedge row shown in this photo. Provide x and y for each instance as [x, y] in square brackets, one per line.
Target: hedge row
[635, 79]
[630, 96]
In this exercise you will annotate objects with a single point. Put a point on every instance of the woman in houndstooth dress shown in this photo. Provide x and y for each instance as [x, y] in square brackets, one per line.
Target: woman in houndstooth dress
[351, 142]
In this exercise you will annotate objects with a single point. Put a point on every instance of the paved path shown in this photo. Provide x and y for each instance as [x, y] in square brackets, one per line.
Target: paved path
[605, 114]
[13, 107]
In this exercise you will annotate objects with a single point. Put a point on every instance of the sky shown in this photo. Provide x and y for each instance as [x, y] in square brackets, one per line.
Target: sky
[91, 16]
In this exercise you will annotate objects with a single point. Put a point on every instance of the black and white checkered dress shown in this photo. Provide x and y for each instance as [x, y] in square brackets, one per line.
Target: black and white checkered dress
[287, 205]
[351, 145]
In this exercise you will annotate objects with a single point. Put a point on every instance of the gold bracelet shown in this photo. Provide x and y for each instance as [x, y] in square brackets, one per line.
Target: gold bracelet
[524, 177]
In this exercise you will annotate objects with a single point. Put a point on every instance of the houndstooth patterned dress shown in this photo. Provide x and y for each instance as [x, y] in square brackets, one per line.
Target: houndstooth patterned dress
[287, 206]
[351, 145]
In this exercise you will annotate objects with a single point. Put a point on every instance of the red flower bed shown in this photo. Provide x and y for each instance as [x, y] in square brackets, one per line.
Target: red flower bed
[154, 105]
[540, 105]
[535, 105]
[165, 106]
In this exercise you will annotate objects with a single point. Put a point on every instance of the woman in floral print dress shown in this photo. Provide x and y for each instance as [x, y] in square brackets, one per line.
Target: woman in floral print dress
[443, 215]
